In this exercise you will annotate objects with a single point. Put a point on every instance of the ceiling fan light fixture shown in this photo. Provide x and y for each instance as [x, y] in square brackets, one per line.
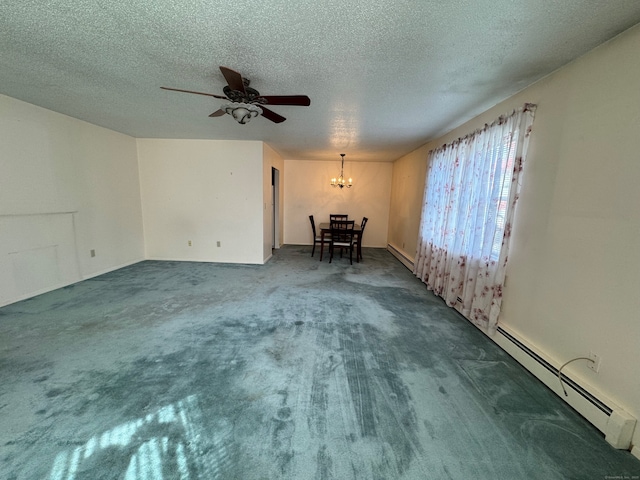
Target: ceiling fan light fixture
[244, 101]
[242, 112]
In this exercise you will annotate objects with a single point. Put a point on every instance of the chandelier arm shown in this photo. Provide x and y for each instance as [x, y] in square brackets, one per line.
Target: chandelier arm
[340, 181]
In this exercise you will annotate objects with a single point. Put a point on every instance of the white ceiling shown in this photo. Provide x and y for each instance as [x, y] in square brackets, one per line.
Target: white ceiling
[383, 76]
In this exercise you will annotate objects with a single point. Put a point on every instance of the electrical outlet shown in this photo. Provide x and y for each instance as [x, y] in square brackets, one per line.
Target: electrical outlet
[189, 242]
[218, 243]
[93, 253]
[595, 363]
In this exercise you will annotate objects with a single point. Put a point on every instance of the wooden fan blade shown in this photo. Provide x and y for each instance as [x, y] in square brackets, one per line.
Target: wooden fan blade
[271, 115]
[233, 78]
[218, 113]
[197, 93]
[298, 100]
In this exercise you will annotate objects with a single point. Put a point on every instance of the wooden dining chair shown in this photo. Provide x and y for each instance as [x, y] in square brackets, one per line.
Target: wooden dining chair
[341, 237]
[338, 224]
[333, 217]
[359, 239]
[316, 238]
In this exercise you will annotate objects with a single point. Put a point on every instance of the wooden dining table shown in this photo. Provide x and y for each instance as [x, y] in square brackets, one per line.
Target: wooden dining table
[325, 229]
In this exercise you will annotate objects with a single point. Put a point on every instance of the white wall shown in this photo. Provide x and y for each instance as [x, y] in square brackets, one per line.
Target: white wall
[574, 268]
[308, 192]
[66, 187]
[203, 191]
[407, 193]
[271, 159]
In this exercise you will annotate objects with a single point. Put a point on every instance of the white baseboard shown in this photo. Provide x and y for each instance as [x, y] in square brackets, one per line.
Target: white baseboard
[193, 260]
[111, 269]
[20, 298]
[66, 284]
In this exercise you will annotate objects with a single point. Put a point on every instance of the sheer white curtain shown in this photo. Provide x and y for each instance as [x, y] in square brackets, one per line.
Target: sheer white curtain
[471, 189]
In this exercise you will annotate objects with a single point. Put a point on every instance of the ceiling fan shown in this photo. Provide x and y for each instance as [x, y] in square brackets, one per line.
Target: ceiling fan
[246, 102]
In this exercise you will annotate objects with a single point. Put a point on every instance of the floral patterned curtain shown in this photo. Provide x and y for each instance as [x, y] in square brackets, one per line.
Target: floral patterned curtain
[471, 190]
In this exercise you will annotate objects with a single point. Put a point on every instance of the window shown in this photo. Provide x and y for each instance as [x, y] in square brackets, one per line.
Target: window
[506, 153]
[471, 189]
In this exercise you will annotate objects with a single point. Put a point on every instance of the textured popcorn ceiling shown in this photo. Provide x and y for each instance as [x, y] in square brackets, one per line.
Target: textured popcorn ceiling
[383, 76]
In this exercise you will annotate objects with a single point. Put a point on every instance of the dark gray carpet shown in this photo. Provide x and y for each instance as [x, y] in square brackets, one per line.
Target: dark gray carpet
[292, 370]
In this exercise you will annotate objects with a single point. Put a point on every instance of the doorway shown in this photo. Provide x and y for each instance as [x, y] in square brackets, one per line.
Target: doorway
[275, 206]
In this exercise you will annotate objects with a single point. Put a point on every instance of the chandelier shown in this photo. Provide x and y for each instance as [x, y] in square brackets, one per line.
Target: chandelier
[340, 181]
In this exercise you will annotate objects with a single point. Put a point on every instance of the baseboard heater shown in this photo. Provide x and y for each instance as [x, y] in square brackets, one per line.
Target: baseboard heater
[566, 380]
[599, 404]
[406, 261]
[612, 420]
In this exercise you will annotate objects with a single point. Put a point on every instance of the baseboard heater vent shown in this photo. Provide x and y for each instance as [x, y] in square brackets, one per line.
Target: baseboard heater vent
[406, 261]
[567, 381]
